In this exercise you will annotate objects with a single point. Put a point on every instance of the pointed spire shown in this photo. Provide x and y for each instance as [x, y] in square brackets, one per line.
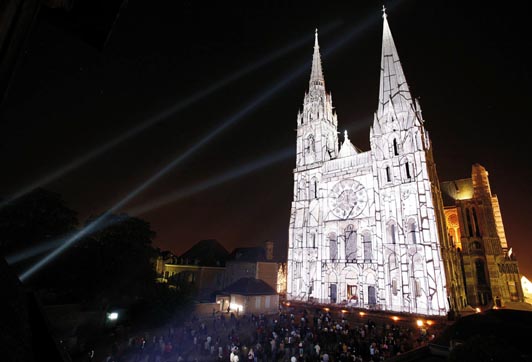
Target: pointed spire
[393, 86]
[347, 148]
[316, 75]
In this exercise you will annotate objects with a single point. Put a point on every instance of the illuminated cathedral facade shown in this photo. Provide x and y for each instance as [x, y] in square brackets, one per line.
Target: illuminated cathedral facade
[369, 228]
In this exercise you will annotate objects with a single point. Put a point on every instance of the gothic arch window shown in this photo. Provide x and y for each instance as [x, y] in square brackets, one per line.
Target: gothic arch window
[314, 188]
[350, 243]
[333, 246]
[312, 241]
[395, 149]
[411, 228]
[394, 286]
[481, 272]
[469, 224]
[366, 240]
[475, 221]
[302, 187]
[407, 169]
[417, 287]
[391, 232]
[310, 144]
[388, 174]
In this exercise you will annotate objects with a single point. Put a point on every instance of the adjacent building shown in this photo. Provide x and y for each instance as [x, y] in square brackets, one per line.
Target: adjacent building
[474, 222]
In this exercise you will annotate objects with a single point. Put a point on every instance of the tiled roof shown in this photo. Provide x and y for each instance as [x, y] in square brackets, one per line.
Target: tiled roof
[249, 286]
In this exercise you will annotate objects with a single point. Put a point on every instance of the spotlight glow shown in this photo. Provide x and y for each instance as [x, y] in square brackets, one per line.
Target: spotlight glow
[179, 106]
[251, 106]
[213, 182]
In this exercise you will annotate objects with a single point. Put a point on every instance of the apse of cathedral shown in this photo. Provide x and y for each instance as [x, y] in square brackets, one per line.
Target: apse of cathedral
[369, 229]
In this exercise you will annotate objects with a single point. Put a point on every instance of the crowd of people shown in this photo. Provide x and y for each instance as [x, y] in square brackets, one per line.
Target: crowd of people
[289, 336]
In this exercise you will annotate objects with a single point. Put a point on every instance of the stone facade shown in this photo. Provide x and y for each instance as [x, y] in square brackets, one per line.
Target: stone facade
[367, 228]
[474, 221]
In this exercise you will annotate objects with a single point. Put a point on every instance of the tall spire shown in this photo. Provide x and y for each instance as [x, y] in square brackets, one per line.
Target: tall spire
[393, 86]
[316, 75]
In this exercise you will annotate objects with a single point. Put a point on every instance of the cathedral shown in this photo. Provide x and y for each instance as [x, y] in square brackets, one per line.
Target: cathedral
[370, 229]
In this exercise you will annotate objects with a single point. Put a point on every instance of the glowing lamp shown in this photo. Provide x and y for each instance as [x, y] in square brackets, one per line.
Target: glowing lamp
[395, 318]
[112, 316]
[362, 314]
[326, 309]
[429, 323]
[419, 323]
[344, 311]
[477, 309]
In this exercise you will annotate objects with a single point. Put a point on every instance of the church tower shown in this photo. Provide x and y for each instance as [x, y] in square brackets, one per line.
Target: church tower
[317, 139]
[367, 228]
[409, 207]
[317, 143]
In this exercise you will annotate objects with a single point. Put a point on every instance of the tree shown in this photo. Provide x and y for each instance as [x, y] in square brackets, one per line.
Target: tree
[34, 218]
[118, 257]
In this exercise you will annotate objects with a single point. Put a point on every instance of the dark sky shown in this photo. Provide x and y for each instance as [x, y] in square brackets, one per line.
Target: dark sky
[72, 93]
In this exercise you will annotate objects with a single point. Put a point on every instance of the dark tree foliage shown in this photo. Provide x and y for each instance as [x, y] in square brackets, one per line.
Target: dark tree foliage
[115, 262]
[34, 218]
[112, 265]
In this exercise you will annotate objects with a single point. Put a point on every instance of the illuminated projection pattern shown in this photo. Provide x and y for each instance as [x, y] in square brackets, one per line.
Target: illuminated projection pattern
[364, 226]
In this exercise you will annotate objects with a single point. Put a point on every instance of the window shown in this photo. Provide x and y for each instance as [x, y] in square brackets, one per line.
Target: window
[412, 231]
[417, 288]
[392, 233]
[312, 241]
[333, 246]
[469, 225]
[394, 286]
[395, 150]
[267, 302]
[477, 231]
[257, 302]
[407, 169]
[388, 175]
[350, 243]
[481, 272]
[302, 189]
[367, 246]
[352, 292]
[310, 146]
[314, 188]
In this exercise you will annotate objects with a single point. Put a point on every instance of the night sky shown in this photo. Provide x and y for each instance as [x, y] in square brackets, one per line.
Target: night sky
[78, 87]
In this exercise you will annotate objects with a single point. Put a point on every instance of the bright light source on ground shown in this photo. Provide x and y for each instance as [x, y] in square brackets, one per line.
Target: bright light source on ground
[236, 307]
[112, 316]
